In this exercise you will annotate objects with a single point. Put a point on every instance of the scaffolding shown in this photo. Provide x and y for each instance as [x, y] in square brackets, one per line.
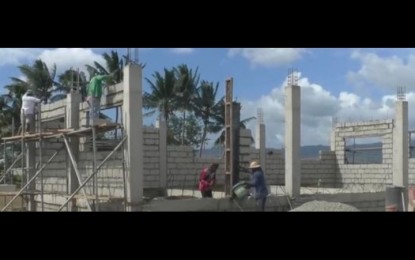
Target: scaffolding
[24, 139]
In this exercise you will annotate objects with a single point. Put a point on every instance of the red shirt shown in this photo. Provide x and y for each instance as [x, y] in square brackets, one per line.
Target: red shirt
[206, 180]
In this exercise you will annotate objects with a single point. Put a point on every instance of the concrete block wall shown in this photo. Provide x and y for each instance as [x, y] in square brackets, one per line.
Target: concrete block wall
[274, 167]
[151, 157]
[53, 110]
[365, 173]
[184, 165]
[411, 171]
[112, 95]
[110, 177]
[53, 184]
[55, 173]
[313, 172]
[322, 172]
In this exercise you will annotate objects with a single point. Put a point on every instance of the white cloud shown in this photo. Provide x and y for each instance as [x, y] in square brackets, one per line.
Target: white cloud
[387, 72]
[65, 58]
[268, 57]
[17, 56]
[318, 107]
[182, 50]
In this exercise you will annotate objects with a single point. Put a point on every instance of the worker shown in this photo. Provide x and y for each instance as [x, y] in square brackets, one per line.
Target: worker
[94, 96]
[258, 182]
[27, 112]
[207, 180]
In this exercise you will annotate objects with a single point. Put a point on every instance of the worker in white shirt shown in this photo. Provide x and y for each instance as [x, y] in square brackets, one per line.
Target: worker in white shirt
[28, 110]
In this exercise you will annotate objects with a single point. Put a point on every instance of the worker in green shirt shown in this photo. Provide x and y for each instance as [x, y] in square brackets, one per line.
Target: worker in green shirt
[94, 95]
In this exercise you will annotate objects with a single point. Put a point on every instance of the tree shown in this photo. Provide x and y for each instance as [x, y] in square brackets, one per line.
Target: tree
[186, 84]
[221, 121]
[10, 105]
[192, 127]
[205, 106]
[8, 108]
[38, 78]
[70, 78]
[162, 97]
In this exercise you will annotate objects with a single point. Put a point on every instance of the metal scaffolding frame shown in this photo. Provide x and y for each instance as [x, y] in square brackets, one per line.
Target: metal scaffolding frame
[39, 138]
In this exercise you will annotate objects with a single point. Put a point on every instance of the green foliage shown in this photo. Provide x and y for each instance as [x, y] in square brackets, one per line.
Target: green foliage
[193, 129]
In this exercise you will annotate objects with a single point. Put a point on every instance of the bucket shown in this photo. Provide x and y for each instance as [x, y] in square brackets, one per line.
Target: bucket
[240, 190]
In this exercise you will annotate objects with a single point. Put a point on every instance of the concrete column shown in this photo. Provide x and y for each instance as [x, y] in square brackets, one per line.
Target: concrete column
[31, 164]
[260, 144]
[333, 140]
[400, 147]
[133, 125]
[292, 140]
[163, 154]
[236, 118]
[73, 100]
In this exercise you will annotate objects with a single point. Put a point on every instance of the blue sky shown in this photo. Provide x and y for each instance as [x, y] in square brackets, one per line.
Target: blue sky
[349, 84]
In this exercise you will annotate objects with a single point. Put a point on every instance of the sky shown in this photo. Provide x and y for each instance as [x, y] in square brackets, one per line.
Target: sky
[349, 84]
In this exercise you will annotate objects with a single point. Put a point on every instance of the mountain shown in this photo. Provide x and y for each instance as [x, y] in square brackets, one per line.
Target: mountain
[357, 153]
[307, 152]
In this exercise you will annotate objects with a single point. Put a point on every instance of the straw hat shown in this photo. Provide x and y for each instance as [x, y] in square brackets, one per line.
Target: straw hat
[254, 164]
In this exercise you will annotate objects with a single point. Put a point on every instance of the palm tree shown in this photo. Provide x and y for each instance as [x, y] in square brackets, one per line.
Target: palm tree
[163, 96]
[10, 105]
[220, 118]
[38, 78]
[70, 78]
[5, 115]
[205, 106]
[186, 89]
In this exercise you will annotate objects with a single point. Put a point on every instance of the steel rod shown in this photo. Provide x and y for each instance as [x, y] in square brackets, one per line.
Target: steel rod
[90, 176]
[28, 183]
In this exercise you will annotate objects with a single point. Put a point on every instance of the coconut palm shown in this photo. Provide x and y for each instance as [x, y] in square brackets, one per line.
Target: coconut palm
[205, 106]
[10, 105]
[220, 118]
[38, 78]
[162, 97]
[186, 84]
[67, 80]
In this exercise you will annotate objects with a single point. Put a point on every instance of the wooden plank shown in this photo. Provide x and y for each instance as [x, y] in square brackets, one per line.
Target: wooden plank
[69, 131]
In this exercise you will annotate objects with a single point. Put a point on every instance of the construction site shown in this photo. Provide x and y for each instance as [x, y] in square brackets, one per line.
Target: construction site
[64, 166]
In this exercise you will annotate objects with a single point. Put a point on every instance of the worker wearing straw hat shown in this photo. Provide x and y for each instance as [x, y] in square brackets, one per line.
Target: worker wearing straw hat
[258, 182]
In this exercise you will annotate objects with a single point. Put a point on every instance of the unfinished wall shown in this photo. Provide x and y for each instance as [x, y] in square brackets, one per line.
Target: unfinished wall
[321, 172]
[184, 165]
[365, 173]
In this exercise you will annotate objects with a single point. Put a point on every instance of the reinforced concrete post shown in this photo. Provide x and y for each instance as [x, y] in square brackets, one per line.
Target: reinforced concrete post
[133, 126]
[401, 147]
[73, 100]
[236, 117]
[163, 154]
[260, 139]
[292, 140]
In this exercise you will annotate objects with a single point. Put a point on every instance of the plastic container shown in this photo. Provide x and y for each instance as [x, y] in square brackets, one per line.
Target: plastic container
[240, 191]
